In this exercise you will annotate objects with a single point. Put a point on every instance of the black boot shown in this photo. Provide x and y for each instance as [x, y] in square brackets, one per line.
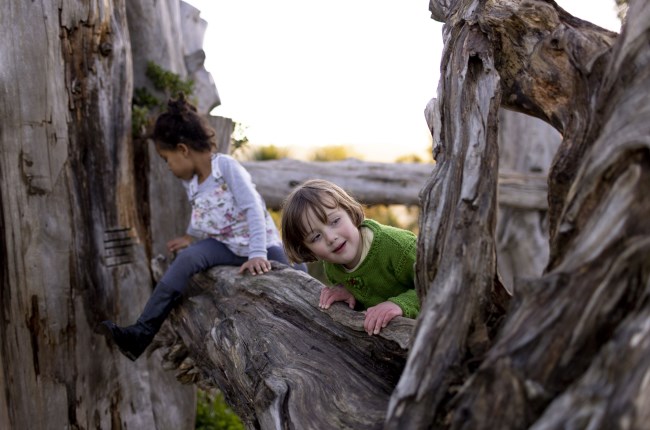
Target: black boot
[131, 340]
[134, 339]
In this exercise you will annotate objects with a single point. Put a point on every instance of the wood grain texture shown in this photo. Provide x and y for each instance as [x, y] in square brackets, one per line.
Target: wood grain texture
[281, 361]
[456, 261]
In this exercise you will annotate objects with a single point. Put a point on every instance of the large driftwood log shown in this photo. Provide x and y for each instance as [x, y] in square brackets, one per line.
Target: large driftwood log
[280, 361]
[562, 336]
[456, 264]
[599, 262]
[66, 187]
[382, 183]
[72, 247]
[541, 366]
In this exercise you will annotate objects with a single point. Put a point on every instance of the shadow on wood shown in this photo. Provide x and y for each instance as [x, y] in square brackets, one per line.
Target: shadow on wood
[280, 361]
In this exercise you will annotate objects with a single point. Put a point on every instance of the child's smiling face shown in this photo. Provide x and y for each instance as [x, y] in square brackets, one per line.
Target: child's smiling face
[336, 240]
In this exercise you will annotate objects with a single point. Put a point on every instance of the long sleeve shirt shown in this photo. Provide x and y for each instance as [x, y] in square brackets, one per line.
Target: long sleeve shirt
[227, 207]
[386, 274]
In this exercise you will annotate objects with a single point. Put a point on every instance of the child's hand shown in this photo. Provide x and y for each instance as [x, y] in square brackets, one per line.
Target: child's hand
[179, 243]
[257, 265]
[329, 295]
[378, 317]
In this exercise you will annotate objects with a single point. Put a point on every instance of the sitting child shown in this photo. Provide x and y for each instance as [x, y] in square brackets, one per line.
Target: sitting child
[368, 263]
[229, 219]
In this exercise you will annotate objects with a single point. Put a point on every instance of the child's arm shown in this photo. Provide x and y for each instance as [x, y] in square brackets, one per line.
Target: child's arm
[404, 266]
[378, 317]
[409, 303]
[338, 293]
[241, 185]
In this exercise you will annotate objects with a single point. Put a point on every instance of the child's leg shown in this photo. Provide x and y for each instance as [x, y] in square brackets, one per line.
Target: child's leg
[200, 256]
[196, 258]
[134, 339]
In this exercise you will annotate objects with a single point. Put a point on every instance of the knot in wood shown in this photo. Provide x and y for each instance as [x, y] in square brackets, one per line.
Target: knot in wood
[105, 48]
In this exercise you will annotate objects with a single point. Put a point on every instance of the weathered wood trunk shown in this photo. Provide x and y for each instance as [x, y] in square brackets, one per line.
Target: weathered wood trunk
[67, 197]
[73, 252]
[456, 264]
[596, 274]
[570, 349]
[562, 336]
[280, 361]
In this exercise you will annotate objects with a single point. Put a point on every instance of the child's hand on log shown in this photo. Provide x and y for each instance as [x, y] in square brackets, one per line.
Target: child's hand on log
[338, 293]
[256, 266]
[378, 317]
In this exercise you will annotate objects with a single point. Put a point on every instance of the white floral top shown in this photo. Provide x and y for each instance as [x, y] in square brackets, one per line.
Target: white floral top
[227, 207]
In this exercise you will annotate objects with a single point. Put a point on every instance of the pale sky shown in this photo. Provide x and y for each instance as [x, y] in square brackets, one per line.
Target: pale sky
[303, 74]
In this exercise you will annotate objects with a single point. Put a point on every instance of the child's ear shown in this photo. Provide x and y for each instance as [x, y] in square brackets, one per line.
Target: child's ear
[183, 148]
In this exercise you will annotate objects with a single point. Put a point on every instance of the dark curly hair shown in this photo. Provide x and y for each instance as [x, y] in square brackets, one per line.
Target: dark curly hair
[181, 123]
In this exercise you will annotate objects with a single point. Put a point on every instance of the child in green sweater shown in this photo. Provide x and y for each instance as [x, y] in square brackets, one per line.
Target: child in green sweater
[369, 264]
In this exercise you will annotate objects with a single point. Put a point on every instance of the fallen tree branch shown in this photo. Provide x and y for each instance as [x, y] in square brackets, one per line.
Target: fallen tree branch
[381, 183]
[280, 361]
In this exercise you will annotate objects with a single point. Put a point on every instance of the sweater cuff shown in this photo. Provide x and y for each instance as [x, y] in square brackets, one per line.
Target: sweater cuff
[409, 310]
[257, 254]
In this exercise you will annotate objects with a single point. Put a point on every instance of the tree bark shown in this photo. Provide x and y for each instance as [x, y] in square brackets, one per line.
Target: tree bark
[569, 350]
[540, 363]
[67, 197]
[73, 250]
[456, 264]
[561, 336]
[597, 180]
[280, 361]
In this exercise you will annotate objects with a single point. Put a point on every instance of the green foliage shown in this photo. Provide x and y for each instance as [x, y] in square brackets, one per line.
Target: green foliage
[139, 120]
[145, 105]
[143, 98]
[394, 215]
[259, 153]
[238, 139]
[269, 152]
[409, 158]
[168, 82]
[212, 413]
[332, 153]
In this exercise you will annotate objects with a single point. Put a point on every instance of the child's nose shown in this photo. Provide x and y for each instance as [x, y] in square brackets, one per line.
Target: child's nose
[330, 236]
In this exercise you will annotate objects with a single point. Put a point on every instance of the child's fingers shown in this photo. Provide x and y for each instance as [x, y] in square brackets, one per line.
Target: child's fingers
[329, 296]
[329, 299]
[376, 319]
[378, 324]
[369, 322]
[260, 268]
[256, 266]
[324, 294]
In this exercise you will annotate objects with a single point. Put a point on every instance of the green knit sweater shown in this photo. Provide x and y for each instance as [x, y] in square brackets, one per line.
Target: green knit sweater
[386, 274]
